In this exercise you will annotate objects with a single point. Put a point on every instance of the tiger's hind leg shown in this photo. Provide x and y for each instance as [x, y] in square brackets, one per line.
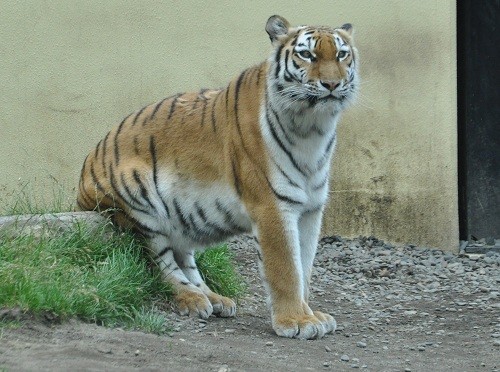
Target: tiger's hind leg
[222, 306]
[188, 290]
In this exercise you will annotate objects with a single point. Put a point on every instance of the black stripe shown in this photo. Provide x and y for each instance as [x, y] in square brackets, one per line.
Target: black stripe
[315, 129]
[228, 217]
[236, 98]
[136, 145]
[259, 255]
[278, 59]
[258, 76]
[117, 192]
[137, 115]
[213, 111]
[275, 114]
[330, 143]
[227, 99]
[285, 150]
[163, 251]
[200, 212]
[199, 96]
[194, 225]
[321, 184]
[131, 195]
[143, 189]
[82, 171]
[285, 198]
[117, 148]
[282, 197]
[287, 74]
[221, 231]
[204, 109]
[208, 233]
[288, 178]
[170, 264]
[138, 227]
[96, 153]
[104, 144]
[80, 205]
[313, 210]
[157, 107]
[172, 105]
[183, 221]
[152, 150]
[82, 190]
[86, 198]
[236, 182]
[95, 180]
[324, 158]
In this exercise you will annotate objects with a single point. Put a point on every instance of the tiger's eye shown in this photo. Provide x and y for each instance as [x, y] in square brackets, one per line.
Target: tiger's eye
[305, 54]
[341, 54]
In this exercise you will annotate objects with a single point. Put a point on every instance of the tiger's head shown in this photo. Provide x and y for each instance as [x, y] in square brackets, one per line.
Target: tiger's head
[312, 67]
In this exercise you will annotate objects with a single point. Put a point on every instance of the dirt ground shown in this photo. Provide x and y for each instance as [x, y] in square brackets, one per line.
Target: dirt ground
[425, 338]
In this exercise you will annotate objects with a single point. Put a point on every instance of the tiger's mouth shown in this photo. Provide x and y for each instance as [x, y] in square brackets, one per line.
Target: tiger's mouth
[313, 100]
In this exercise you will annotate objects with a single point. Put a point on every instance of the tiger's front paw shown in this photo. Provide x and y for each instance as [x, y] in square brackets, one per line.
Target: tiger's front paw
[328, 321]
[304, 326]
[223, 306]
[193, 304]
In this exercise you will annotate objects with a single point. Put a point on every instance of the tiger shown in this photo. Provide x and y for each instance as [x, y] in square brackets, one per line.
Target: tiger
[198, 168]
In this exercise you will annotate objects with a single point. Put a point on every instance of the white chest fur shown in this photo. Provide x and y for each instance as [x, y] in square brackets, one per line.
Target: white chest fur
[300, 148]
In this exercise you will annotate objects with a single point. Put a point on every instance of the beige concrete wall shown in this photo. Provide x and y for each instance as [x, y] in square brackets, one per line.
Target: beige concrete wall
[71, 69]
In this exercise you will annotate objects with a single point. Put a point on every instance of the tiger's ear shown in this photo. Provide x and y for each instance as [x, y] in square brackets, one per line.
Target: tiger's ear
[277, 26]
[347, 27]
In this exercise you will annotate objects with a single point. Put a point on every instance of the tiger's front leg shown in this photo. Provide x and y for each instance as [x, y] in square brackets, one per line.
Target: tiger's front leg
[282, 271]
[309, 230]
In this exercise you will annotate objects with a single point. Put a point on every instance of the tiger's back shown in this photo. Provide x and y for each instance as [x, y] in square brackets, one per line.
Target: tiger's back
[197, 168]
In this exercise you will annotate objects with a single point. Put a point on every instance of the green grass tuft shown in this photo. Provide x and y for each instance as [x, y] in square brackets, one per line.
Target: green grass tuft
[99, 277]
[218, 270]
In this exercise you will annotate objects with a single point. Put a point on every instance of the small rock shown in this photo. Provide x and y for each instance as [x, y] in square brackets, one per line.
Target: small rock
[361, 344]
[229, 330]
[345, 358]
[327, 348]
[269, 343]
[105, 351]
[137, 352]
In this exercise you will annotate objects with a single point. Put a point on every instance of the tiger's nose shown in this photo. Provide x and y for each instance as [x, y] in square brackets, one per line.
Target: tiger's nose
[330, 85]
